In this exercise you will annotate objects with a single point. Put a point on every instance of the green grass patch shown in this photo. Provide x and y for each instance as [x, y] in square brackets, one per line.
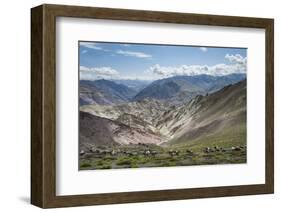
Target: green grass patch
[85, 165]
[235, 136]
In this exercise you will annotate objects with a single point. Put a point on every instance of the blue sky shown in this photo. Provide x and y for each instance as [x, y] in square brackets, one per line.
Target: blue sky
[150, 62]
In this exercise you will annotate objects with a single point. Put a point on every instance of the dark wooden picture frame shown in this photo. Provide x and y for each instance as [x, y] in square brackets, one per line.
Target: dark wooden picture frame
[43, 105]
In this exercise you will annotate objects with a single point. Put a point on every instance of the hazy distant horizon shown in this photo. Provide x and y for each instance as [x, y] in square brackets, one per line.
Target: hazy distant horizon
[148, 80]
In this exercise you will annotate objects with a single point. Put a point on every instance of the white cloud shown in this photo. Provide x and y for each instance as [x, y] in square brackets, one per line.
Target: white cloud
[84, 69]
[238, 64]
[91, 73]
[99, 70]
[236, 59]
[133, 54]
[203, 49]
[95, 73]
[90, 45]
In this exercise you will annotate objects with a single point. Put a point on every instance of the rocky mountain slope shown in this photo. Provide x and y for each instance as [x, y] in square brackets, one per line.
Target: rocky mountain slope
[157, 122]
[97, 131]
[206, 115]
[147, 110]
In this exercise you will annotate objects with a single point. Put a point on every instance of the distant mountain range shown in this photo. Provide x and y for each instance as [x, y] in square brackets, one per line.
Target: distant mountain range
[177, 90]
[150, 120]
[136, 85]
[180, 89]
[104, 92]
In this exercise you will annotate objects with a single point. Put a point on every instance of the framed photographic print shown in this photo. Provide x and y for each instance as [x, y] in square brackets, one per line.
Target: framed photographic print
[137, 106]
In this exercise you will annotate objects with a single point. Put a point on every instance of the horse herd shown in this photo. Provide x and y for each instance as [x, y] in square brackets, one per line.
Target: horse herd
[220, 149]
[150, 152]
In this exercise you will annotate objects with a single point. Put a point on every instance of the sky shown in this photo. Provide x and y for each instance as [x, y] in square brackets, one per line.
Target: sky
[104, 60]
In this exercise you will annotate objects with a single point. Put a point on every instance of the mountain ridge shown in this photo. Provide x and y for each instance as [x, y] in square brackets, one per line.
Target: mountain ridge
[177, 89]
[104, 92]
[183, 88]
